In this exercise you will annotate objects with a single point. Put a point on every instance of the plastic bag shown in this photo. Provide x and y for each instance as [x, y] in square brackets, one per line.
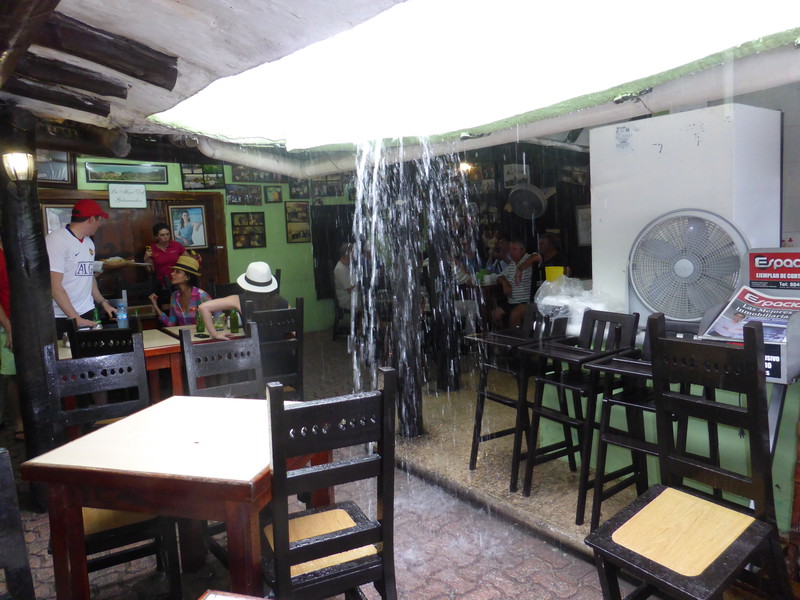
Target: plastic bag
[556, 298]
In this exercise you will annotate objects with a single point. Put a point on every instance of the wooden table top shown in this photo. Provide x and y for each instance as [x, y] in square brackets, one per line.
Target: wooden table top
[211, 439]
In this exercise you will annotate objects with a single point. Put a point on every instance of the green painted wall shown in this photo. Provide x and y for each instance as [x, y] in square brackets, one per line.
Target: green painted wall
[294, 260]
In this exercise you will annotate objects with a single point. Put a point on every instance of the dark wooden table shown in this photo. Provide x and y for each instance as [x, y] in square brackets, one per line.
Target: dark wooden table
[185, 457]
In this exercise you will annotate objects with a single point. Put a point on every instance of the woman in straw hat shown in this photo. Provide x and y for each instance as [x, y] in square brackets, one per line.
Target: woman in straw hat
[186, 298]
[258, 285]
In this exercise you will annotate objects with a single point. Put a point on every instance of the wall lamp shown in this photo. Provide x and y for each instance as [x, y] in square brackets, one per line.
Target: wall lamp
[19, 166]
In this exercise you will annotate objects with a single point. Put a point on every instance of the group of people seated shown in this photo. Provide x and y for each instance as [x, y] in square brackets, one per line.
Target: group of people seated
[519, 273]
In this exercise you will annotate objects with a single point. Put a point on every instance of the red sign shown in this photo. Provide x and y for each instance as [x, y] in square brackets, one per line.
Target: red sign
[776, 268]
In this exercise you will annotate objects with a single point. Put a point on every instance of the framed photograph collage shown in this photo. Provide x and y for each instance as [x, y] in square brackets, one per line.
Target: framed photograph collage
[298, 222]
[202, 177]
[248, 231]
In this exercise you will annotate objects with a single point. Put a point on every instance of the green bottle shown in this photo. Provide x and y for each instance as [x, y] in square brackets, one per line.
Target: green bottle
[200, 326]
[234, 322]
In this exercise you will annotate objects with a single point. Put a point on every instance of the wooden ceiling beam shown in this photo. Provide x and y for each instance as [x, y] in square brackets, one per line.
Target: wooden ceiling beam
[55, 95]
[50, 71]
[19, 25]
[116, 52]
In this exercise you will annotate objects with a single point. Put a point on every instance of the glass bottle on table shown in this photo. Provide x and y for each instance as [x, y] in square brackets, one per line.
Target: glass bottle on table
[234, 321]
[200, 324]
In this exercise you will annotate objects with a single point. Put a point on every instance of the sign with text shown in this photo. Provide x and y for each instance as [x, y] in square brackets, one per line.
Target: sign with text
[127, 195]
[774, 268]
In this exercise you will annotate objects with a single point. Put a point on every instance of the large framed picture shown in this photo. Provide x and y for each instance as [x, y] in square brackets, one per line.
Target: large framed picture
[56, 216]
[55, 169]
[298, 222]
[188, 224]
[247, 230]
[126, 173]
[298, 189]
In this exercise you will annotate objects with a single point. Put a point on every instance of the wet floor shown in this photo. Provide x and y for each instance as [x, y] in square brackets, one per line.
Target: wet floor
[446, 547]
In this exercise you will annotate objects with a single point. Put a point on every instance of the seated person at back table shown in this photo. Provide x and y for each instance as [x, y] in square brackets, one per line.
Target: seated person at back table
[185, 300]
[343, 282]
[259, 286]
[549, 255]
[517, 290]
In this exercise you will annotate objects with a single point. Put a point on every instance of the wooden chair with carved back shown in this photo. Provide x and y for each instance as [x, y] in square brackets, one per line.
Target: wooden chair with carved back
[678, 539]
[112, 537]
[281, 345]
[325, 551]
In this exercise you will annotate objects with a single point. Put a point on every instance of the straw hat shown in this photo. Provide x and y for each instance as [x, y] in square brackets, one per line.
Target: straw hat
[187, 264]
[257, 278]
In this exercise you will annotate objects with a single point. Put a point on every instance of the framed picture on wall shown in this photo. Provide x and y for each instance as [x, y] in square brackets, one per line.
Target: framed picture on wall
[298, 189]
[55, 169]
[583, 221]
[243, 195]
[126, 173]
[56, 216]
[297, 212]
[247, 230]
[516, 174]
[202, 177]
[273, 193]
[188, 225]
[298, 233]
[242, 174]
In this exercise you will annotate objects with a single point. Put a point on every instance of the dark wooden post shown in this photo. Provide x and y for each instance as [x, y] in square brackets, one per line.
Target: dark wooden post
[29, 278]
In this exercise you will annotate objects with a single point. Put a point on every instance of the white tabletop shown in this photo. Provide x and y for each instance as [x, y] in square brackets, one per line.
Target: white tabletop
[208, 438]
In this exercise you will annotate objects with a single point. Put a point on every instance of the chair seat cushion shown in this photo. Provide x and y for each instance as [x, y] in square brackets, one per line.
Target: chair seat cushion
[320, 523]
[682, 532]
[97, 520]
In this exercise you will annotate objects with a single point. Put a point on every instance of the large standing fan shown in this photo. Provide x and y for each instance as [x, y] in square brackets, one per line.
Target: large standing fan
[684, 262]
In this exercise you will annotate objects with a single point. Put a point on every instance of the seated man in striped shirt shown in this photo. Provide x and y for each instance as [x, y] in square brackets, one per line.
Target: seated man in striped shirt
[517, 291]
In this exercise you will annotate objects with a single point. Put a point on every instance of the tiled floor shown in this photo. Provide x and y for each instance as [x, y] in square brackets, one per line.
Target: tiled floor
[446, 548]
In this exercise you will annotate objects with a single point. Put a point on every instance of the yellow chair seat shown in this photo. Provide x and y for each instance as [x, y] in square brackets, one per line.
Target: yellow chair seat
[682, 532]
[97, 520]
[316, 524]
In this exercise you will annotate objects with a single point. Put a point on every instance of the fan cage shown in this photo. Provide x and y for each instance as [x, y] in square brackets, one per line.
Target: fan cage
[684, 262]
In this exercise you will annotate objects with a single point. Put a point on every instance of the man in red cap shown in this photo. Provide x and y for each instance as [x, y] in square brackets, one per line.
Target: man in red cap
[72, 256]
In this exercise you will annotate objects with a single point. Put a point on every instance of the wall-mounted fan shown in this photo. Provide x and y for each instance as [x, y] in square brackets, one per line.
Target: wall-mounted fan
[528, 201]
[684, 262]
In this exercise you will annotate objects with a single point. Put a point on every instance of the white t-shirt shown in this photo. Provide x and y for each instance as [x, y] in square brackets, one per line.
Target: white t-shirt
[75, 259]
[342, 281]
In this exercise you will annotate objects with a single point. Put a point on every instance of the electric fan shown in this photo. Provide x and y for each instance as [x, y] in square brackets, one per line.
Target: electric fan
[528, 201]
[684, 262]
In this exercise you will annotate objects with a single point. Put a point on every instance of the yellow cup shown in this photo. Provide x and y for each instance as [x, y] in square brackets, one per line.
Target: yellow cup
[553, 273]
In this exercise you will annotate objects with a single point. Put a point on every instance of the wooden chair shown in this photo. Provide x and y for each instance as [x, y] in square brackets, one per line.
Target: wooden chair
[560, 364]
[131, 535]
[98, 342]
[498, 354]
[322, 552]
[677, 539]
[229, 368]
[13, 551]
[281, 345]
[627, 376]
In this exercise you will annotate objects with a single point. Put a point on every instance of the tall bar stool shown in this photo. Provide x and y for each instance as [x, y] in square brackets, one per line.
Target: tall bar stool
[498, 354]
[626, 377]
[561, 364]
